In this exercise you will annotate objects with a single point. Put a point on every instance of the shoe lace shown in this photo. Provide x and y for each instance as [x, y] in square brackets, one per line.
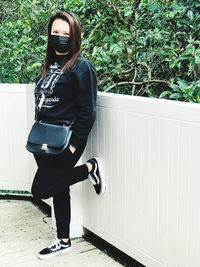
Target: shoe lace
[92, 179]
[55, 242]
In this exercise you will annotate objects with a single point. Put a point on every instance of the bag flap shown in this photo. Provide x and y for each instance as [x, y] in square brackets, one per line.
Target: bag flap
[52, 135]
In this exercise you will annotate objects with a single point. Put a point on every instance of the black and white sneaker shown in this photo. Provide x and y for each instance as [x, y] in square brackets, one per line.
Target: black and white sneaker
[96, 176]
[56, 247]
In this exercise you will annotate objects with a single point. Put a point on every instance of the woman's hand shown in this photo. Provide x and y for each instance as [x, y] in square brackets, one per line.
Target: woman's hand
[72, 148]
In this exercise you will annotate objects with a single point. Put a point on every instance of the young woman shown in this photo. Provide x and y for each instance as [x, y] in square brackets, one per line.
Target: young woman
[69, 84]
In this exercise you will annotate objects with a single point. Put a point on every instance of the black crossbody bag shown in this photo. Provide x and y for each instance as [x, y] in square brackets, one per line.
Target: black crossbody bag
[48, 138]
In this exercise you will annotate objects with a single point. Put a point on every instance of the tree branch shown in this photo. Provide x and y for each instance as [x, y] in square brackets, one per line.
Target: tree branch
[10, 11]
[96, 27]
[127, 71]
[135, 83]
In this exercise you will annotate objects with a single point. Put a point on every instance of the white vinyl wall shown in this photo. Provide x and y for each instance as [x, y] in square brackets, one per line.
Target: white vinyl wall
[150, 150]
[17, 165]
[14, 161]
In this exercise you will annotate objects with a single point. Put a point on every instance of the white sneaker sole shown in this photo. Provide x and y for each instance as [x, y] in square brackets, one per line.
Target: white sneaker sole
[103, 186]
[53, 254]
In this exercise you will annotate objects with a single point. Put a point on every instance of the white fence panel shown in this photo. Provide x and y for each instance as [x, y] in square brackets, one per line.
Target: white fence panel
[14, 171]
[150, 151]
[17, 165]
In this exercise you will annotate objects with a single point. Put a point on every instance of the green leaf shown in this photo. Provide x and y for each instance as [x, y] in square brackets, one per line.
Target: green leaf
[94, 52]
[43, 37]
[98, 13]
[182, 84]
[115, 49]
[17, 69]
[190, 15]
[163, 94]
[175, 88]
[176, 96]
[35, 65]
[197, 59]
[128, 13]
[190, 49]
[125, 32]
[154, 7]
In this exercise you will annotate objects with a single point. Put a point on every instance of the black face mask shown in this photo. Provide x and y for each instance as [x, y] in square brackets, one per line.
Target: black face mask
[60, 43]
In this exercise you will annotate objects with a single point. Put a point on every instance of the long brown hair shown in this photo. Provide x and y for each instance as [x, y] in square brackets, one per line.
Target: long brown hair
[75, 42]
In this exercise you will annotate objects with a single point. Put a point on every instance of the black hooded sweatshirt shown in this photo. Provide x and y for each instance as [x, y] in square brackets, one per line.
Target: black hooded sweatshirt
[69, 97]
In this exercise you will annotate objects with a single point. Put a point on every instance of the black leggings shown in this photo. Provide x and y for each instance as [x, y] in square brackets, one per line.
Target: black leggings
[53, 178]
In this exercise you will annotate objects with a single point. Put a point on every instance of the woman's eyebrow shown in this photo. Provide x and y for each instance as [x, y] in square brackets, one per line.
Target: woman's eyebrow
[64, 32]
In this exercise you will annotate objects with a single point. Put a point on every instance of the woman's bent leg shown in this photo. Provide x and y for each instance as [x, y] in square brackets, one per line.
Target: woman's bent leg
[55, 185]
[56, 174]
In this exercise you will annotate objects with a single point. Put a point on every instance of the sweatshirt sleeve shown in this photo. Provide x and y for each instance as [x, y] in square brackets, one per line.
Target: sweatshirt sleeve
[86, 94]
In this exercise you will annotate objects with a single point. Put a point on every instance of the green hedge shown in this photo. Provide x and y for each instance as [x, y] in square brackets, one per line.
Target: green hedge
[14, 192]
[148, 48]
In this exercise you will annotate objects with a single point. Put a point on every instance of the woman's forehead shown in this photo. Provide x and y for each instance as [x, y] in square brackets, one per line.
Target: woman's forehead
[60, 25]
